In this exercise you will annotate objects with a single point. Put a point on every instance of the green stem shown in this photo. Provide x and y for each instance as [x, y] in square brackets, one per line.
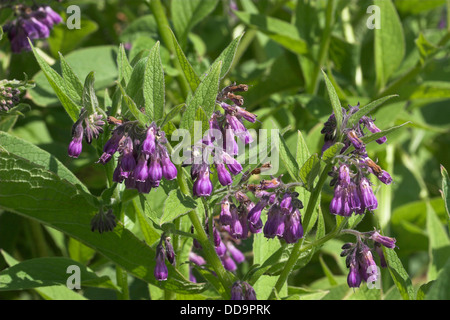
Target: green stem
[297, 249]
[122, 282]
[164, 29]
[207, 246]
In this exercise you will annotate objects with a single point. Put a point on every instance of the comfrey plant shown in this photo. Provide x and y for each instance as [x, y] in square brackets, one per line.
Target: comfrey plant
[218, 211]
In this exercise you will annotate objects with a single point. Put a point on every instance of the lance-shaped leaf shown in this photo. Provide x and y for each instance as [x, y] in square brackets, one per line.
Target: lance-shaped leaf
[124, 67]
[310, 170]
[186, 14]
[288, 160]
[191, 76]
[141, 117]
[445, 192]
[335, 103]
[154, 84]
[57, 84]
[90, 101]
[227, 56]
[332, 151]
[34, 192]
[72, 83]
[354, 118]
[374, 136]
[176, 205]
[205, 96]
[399, 274]
[389, 42]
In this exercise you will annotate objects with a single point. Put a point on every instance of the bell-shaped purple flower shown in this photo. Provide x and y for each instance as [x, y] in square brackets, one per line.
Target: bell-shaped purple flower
[225, 213]
[160, 272]
[293, 229]
[223, 174]
[169, 170]
[354, 277]
[228, 263]
[141, 170]
[275, 224]
[76, 145]
[236, 254]
[154, 171]
[367, 198]
[203, 186]
[149, 144]
[385, 241]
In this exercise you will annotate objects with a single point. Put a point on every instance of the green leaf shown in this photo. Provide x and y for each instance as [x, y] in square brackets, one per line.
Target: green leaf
[176, 205]
[332, 152]
[205, 97]
[124, 67]
[1, 33]
[56, 292]
[227, 56]
[399, 274]
[439, 287]
[141, 117]
[100, 59]
[278, 30]
[150, 234]
[186, 14]
[79, 251]
[43, 272]
[335, 103]
[374, 136]
[354, 118]
[90, 101]
[36, 193]
[175, 111]
[191, 76]
[288, 160]
[57, 83]
[310, 170]
[154, 84]
[439, 244]
[73, 85]
[38, 156]
[389, 42]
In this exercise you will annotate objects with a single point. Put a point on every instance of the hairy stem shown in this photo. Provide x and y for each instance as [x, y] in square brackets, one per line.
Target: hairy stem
[297, 249]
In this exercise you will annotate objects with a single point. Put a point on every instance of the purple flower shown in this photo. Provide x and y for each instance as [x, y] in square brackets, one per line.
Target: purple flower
[254, 215]
[149, 145]
[223, 175]
[76, 144]
[293, 229]
[141, 170]
[155, 171]
[195, 258]
[385, 241]
[160, 272]
[368, 267]
[370, 124]
[354, 277]
[385, 177]
[225, 213]
[170, 253]
[237, 292]
[236, 254]
[203, 186]
[228, 263]
[169, 170]
[275, 225]
[368, 199]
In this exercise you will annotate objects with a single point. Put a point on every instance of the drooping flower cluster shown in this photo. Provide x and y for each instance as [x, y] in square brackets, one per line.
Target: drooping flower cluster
[103, 221]
[33, 23]
[360, 259]
[87, 126]
[241, 290]
[352, 187]
[9, 97]
[164, 250]
[283, 213]
[143, 158]
[220, 143]
[229, 255]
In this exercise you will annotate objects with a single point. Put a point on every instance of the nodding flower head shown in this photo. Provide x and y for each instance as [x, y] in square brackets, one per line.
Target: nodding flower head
[160, 272]
[33, 23]
[76, 145]
[203, 186]
[103, 221]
